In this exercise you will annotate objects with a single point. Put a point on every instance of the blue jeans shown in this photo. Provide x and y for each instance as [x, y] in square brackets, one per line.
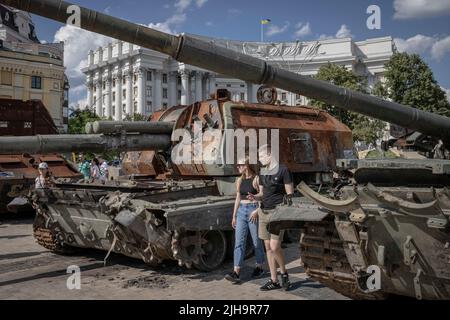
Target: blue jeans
[243, 225]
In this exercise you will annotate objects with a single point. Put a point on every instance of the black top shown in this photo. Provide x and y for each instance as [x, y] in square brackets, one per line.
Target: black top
[247, 187]
[274, 189]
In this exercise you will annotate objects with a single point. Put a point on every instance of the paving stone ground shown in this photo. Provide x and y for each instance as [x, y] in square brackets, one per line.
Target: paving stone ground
[28, 271]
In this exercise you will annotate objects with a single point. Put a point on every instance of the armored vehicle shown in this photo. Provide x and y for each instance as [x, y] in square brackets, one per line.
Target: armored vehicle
[18, 171]
[384, 230]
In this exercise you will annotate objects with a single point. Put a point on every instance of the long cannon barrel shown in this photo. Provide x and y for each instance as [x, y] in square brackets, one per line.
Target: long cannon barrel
[110, 127]
[83, 143]
[209, 56]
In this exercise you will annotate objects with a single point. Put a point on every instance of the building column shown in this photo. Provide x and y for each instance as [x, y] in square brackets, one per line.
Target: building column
[118, 114]
[212, 84]
[99, 98]
[250, 93]
[157, 90]
[173, 94]
[141, 85]
[90, 95]
[185, 88]
[198, 86]
[129, 93]
[108, 94]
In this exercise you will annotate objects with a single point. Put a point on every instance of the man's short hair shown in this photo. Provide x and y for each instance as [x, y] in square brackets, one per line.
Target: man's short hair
[265, 148]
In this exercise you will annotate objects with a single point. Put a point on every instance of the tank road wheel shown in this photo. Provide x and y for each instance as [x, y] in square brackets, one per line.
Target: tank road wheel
[49, 238]
[214, 250]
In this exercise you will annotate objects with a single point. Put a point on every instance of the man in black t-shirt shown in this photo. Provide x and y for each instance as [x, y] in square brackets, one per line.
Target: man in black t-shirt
[276, 183]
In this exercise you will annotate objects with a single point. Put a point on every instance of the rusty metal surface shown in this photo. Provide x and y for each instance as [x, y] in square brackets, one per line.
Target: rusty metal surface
[25, 118]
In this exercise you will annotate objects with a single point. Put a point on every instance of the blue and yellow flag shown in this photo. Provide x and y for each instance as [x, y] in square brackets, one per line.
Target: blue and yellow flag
[266, 21]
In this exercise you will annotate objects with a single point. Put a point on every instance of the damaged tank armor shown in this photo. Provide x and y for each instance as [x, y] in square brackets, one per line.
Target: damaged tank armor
[393, 214]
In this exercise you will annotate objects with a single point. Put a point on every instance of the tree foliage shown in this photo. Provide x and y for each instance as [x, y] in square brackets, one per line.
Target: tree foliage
[410, 81]
[79, 119]
[364, 128]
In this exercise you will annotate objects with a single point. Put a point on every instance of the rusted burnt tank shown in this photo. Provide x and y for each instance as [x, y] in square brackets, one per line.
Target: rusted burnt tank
[162, 210]
[399, 226]
[18, 171]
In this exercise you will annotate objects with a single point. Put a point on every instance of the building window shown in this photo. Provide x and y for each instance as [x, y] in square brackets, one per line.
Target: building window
[165, 105]
[7, 78]
[114, 83]
[124, 108]
[164, 78]
[103, 112]
[95, 89]
[124, 80]
[135, 78]
[36, 82]
[149, 76]
[114, 97]
[104, 85]
[165, 94]
[114, 110]
[149, 107]
[297, 97]
[135, 107]
[124, 93]
[179, 81]
[149, 92]
[284, 96]
[27, 125]
[242, 85]
[179, 94]
[242, 96]
[135, 91]
[104, 99]
[3, 124]
[228, 85]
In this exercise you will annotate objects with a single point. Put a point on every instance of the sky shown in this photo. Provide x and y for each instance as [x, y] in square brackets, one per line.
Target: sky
[418, 26]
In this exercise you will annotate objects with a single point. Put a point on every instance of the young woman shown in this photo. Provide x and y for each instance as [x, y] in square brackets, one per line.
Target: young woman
[245, 219]
[95, 169]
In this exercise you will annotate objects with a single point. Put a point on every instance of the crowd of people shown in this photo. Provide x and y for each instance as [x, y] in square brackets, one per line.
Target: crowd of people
[96, 169]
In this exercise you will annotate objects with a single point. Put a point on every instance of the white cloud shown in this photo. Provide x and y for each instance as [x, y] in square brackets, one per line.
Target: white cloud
[417, 44]
[409, 9]
[421, 44]
[182, 5]
[440, 48]
[209, 23]
[344, 32]
[274, 29]
[200, 3]
[77, 43]
[78, 104]
[302, 29]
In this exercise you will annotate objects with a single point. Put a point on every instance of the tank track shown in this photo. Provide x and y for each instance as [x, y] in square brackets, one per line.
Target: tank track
[46, 237]
[324, 259]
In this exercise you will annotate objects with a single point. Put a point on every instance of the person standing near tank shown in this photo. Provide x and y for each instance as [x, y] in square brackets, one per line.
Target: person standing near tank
[245, 219]
[84, 167]
[44, 180]
[276, 184]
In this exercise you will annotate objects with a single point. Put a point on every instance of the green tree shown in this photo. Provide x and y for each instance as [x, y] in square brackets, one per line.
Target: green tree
[364, 128]
[410, 81]
[78, 120]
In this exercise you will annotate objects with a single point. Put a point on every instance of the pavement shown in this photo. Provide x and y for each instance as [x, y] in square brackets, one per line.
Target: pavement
[28, 271]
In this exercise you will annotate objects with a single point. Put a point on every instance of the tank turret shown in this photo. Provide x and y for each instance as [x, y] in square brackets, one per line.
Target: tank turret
[207, 55]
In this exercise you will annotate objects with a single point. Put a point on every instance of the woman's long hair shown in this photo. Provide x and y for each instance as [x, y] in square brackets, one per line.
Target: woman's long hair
[253, 169]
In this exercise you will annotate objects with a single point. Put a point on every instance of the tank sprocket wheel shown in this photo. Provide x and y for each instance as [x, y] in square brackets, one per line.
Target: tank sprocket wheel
[47, 237]
[204, 250]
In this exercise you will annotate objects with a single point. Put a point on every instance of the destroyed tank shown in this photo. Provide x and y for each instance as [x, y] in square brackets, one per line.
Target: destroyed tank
[387, 219]
[19, 171]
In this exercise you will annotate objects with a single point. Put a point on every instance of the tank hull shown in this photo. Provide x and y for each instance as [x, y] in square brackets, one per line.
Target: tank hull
[152, 222]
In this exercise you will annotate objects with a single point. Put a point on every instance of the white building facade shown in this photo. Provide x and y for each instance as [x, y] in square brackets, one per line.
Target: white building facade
[124, 79]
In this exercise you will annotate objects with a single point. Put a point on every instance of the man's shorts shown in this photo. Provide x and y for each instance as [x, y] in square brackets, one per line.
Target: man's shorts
[264, 218]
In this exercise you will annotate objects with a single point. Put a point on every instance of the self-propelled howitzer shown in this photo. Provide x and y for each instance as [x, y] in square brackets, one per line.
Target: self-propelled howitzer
[207, 55]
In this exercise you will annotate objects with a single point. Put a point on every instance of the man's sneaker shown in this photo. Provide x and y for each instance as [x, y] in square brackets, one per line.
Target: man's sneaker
[233, 277]
[258, 272]
[286, 284]
[270, 285]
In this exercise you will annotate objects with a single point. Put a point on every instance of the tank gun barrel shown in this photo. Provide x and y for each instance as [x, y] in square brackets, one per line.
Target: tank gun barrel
[45, 144]
[111, 127]
[207, 55]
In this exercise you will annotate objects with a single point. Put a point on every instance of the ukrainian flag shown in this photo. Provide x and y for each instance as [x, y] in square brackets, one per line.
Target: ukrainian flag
[266, 21]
